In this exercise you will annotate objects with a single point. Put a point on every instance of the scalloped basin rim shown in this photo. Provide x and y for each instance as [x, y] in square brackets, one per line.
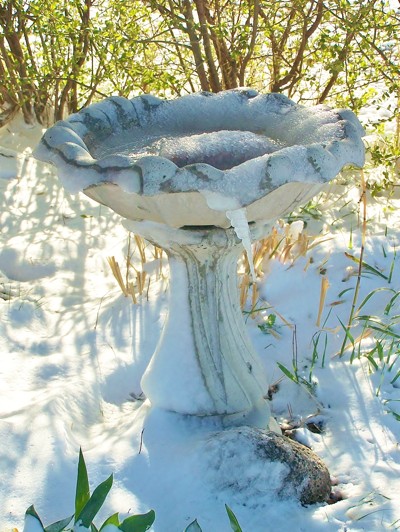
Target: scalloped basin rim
[319, 142]
[179, 209]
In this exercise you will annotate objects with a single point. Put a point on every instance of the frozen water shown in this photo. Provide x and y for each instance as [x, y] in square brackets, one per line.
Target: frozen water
[221, 149]
[238, 219]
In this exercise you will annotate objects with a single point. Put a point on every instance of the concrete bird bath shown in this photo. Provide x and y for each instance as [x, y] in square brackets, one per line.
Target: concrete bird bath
[202, 177]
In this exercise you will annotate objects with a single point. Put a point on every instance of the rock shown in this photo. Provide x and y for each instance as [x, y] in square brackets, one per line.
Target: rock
[261, 464]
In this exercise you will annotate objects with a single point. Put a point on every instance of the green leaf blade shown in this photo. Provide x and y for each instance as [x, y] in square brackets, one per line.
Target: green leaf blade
[59, 526]
[112, 520]
[82, 494]
[95, 502]
[232, 519]
[138, 523]
[288, 373]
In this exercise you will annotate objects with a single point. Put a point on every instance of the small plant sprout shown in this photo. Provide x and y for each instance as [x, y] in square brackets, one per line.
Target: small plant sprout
[87, 507]
[319, 337]
[195, 527]
[294, 375]
[369, 504]
[268, 325]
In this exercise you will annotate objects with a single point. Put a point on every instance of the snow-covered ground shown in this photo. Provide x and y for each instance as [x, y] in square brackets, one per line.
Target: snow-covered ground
[73, 350]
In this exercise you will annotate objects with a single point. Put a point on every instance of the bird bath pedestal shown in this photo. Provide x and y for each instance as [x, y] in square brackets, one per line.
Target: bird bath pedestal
[202, 177]
[204, 364]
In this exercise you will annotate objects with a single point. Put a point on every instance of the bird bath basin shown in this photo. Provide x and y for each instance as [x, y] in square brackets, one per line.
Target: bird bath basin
[202, 177]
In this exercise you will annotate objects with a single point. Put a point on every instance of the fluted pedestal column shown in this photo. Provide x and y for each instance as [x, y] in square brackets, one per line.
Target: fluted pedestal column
[204, 364]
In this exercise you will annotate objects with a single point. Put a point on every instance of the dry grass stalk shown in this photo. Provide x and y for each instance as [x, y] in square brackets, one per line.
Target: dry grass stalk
[158, 254]
[322, 297]
[136, 288]
[281, 245]
[127, 288]
[141, 247]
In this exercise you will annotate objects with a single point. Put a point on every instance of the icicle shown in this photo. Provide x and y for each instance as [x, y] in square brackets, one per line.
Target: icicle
[238, 219]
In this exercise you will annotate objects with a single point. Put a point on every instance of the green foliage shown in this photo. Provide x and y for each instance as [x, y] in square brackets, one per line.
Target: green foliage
[95, 502]
[232, 519]
[268, 326]
[82, 494]
[384, 155]
[138, 523]
[384, 355]
[295, 377]
[87, 507]
[59, 56]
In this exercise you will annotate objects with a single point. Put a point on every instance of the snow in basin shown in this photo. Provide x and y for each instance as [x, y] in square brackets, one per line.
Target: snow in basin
[221, 149]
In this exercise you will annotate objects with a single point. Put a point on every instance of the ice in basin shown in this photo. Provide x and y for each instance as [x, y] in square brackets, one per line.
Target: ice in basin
[221, 149]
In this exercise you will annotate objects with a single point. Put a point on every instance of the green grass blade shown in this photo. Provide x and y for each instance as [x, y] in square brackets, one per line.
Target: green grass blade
[344, 291]
[288, 373]
[138, 523]
[368, 297]
[385, 330]
[232, 519]
[372, 361]
[82, 494]
[397, 416]
[367, 266]
[95, 502]
[395, 377]
[392, 267]
[391, 303]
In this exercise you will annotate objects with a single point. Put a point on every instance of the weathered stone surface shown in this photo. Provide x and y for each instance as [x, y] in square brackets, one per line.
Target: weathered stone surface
[262, 464]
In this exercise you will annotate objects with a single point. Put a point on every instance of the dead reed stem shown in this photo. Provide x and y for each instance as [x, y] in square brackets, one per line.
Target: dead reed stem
[137, 287]
[322, 297]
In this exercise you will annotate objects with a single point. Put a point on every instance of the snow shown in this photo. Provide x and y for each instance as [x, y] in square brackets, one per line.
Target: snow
[74, 349]
[32, 524]
[221, 149]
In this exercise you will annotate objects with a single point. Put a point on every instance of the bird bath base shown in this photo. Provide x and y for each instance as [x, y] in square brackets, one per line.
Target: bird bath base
[205, 366]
